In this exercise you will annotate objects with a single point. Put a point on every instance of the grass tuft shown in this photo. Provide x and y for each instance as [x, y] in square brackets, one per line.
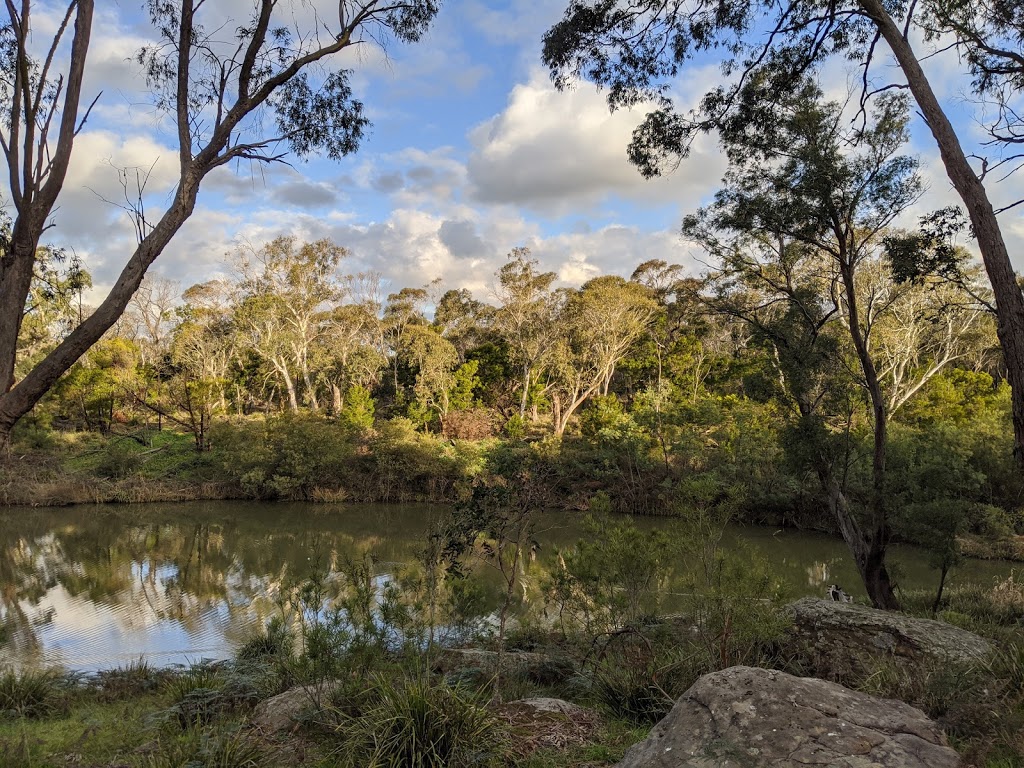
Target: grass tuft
[414, 722]
[29, 693]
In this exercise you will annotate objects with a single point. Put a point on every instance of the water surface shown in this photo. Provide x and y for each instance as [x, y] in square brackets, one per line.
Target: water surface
[94, 587]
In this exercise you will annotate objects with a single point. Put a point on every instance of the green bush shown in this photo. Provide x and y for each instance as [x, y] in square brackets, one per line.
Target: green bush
[135, 678]
[286, 457]
[275, 641]
[614, 575]
[515, 427]
[118, 460]
[357, 413]
[640, 676]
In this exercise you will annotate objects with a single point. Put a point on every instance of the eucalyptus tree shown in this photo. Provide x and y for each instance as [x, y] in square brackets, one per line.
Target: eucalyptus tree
[53, 306]
[403, 309]
[636, 50]
[599, 324]
[151, 309]
[463, 320]
[435, 360]
[349, 346]
[804, 213]
[253, 87]
[287, 291]
[205, 342]
[526, 316]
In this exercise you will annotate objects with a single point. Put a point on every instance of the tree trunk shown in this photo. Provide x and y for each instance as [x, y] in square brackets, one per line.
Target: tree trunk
[942, 585]
[868, 550]
[1009, 300]
[526, 392]
[337, 402]
[289, 384]
[21, 398]
[314, 402]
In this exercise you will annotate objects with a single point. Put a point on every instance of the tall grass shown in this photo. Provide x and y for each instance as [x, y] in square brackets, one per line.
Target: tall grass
[29, 693]
[412, 722]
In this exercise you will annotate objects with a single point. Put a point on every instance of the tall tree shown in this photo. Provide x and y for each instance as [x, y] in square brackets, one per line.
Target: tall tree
[599, 324]
[252, 88]
[637, 49]
[810, 193]
[526, 314]
[288, 288]
[402, 311]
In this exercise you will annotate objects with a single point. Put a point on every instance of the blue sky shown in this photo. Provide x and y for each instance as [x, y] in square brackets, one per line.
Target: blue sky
[472, 152]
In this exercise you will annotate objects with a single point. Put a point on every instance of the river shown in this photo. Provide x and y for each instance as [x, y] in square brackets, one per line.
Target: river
[92, 587]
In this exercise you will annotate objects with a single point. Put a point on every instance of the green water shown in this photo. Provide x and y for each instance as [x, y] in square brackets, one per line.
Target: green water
[94, 587]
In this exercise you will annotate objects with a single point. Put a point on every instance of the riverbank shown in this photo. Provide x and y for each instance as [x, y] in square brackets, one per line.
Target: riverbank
[312, 461]
[539, 700]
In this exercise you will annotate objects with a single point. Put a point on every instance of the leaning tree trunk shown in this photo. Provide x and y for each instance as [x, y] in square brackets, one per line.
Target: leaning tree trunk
[868, 548]
[1009, 300]
[21, 398]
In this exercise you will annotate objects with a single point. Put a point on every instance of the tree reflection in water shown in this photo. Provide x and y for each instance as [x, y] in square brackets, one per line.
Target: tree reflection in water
[93, 587]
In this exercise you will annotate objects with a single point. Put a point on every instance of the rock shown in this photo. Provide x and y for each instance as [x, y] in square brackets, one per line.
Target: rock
[846, 636]
[546, 706]
[282, 712]
[756, 718]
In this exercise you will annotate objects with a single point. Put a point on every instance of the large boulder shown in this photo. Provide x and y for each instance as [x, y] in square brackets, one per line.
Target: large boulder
[850, 638]
[753, 718]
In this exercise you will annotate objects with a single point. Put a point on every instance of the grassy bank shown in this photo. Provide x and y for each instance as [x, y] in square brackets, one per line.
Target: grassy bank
[372, 701]
[299, 458]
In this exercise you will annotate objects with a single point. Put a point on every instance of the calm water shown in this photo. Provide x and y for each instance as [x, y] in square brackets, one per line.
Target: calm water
[95, 587]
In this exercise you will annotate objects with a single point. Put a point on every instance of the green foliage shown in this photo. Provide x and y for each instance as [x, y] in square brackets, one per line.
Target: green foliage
[284, 457]
[466, 385]
[357, 413]
[135, 678]
[638, 680]
[615, 575]
[273, 642]
[604, 413]
[118, 460]
[413, 722]
[206, 748]
[515, 427]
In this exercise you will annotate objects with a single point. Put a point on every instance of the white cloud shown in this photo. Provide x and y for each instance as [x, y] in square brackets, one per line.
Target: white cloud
[554, 152]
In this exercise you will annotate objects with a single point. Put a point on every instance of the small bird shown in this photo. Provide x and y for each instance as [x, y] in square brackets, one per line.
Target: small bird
[836, 593]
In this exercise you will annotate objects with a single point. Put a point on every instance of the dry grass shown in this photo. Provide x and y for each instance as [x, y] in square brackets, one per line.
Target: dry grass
[532, 730]
[1008, 594]
[34, 480]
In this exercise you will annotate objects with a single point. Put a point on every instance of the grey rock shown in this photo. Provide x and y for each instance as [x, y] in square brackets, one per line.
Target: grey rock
[284, 711]
[543, 705]
[844, 629]
[754, 718]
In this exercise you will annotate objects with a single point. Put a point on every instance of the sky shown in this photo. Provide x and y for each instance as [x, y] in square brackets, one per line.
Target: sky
[472, 153]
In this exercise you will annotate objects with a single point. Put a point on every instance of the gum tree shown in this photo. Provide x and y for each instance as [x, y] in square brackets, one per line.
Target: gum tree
[637, 50]
[257, 87]
[802, 220]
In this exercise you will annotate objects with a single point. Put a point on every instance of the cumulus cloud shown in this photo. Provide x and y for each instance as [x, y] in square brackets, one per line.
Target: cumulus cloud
[554, 152]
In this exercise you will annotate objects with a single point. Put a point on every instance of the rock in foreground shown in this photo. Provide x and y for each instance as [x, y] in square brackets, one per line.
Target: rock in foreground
[755, 718]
